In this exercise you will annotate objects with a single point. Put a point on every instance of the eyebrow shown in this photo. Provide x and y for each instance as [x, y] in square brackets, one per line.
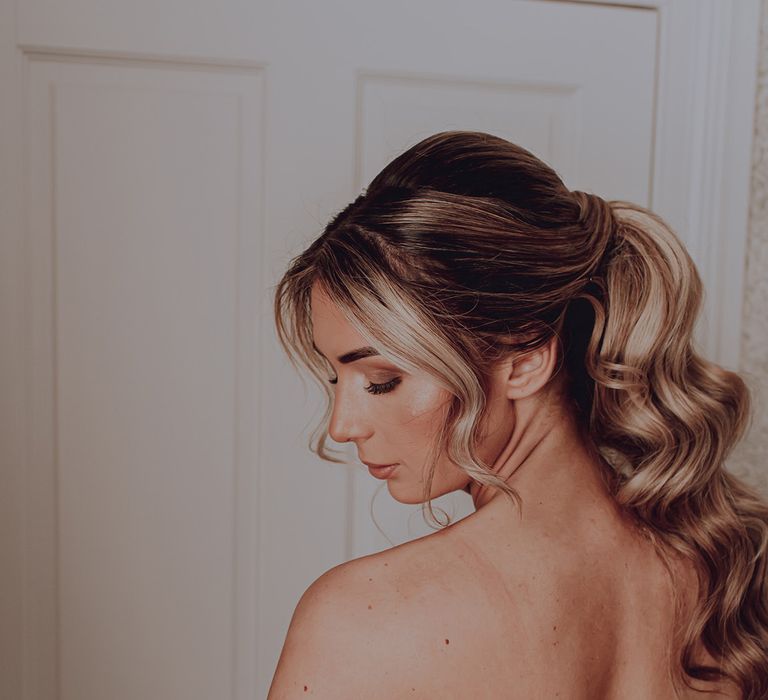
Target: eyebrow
[353, 355]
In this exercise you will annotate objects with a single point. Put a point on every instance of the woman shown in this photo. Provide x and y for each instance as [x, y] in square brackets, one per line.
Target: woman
[484, 328]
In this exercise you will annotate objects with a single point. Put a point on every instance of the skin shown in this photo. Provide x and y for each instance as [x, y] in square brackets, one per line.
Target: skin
[531, 440]
[566, 601]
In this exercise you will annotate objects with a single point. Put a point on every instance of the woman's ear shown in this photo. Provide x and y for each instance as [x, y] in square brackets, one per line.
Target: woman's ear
[529, 372]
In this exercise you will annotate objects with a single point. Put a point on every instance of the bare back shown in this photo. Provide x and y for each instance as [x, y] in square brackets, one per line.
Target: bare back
[569, 616]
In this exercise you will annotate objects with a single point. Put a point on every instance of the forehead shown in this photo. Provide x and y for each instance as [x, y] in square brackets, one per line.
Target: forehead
[331, 331]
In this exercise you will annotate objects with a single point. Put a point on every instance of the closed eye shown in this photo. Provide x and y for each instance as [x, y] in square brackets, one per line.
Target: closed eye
[374, 388]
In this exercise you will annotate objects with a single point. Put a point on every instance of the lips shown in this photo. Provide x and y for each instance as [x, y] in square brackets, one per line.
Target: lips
[374, 465]
[382, 472]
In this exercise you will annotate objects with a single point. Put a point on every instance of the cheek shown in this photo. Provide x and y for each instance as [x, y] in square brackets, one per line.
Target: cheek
[424, 407]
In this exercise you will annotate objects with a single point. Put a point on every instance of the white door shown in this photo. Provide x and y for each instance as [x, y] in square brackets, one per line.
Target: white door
[164, 160]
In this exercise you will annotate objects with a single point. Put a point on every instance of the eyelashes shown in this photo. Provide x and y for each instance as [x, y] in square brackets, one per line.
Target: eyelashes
[383, 388]
[373, 388]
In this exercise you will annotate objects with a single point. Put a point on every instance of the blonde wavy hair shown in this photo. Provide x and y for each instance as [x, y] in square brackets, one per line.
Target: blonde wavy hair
[467, 247]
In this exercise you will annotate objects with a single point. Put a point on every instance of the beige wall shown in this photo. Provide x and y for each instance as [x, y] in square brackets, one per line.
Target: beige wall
[750, 459]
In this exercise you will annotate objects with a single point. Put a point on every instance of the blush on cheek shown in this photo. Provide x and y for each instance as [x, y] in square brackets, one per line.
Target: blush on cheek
[426, 401]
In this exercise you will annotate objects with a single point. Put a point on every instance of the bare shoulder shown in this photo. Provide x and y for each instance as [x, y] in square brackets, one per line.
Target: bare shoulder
[375, 627]
[322, 651]
[345, 631]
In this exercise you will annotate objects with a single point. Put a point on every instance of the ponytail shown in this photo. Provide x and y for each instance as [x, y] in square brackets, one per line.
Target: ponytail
[667, 419]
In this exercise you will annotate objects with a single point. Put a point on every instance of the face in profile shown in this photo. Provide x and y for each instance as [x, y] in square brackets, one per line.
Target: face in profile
[392, 416]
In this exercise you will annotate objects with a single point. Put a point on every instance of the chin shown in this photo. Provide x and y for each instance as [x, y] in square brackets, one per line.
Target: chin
[405, 497]
[413, 494]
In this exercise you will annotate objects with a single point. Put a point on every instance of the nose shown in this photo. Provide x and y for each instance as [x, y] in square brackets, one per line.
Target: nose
[348, 421]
